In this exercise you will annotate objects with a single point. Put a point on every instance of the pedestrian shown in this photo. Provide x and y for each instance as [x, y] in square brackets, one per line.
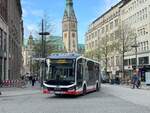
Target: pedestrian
[33, 81]
[135, 80]
[30, 79]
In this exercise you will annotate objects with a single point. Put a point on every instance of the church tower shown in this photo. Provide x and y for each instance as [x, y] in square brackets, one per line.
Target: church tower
[69, 28]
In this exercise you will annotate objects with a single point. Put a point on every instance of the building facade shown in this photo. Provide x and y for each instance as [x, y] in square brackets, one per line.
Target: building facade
[3, 40]
[15, 28]
[81, 49]
[28, 54]
[100, 37]
[136, 13]
[69, 28]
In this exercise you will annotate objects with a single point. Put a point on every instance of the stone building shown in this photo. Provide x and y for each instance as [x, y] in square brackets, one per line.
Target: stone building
[102, 32]
[136, 13]
[15, 28]
[28, 54]
[69, 28]
[3, 40]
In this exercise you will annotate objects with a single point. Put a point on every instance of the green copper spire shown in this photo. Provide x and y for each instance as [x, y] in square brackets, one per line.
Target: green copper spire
[69, 11]
[69, 2]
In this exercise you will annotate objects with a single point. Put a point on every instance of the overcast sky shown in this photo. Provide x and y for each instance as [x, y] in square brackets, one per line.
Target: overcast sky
[86, 11]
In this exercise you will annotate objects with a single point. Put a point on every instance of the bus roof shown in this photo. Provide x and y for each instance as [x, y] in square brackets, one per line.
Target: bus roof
[68, 56]
[64, 56]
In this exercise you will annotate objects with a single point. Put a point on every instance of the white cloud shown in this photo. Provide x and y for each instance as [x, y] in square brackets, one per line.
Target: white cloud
[110, 3]
[30, 28]
[37, 12]
[25, 13]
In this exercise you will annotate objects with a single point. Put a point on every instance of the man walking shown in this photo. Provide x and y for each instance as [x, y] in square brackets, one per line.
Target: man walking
[135, 80]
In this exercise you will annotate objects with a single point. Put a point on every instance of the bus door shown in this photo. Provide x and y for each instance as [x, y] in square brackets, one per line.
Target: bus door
[79, 73]
[91, 73]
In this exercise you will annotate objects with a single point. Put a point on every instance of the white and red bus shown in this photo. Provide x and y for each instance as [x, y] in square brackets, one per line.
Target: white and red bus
[72, 74]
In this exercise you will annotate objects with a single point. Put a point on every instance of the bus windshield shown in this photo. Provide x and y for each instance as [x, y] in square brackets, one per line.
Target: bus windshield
[62, 70]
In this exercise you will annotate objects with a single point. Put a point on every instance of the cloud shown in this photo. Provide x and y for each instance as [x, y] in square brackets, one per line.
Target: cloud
[30, 28]
[25, 13]
[37, 12]
[110, 3]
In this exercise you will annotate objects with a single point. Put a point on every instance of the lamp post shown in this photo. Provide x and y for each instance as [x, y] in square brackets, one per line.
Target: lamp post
[43, 50]
[136, 46]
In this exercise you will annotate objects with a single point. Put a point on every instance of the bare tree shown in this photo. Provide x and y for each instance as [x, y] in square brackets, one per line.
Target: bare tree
[125, 37]
[103, 50]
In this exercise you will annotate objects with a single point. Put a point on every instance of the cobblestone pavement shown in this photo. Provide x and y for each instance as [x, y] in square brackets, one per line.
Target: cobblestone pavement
[108, 100]
[20, 91]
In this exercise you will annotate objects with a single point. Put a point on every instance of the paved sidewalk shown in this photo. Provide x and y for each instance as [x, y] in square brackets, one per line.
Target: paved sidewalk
[20, 91]
[143, 86]
[136, 96]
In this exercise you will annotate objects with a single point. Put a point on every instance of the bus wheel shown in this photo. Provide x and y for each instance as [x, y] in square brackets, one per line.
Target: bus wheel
[97, 87]
[84, 90]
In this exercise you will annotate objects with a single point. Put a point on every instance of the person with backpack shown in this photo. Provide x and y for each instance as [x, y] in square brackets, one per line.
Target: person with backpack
[135, 80]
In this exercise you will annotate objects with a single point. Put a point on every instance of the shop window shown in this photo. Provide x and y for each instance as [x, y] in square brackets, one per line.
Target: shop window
[143, 60]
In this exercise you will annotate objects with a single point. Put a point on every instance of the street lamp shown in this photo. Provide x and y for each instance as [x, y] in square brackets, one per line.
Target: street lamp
[136, 46]
[43, 50]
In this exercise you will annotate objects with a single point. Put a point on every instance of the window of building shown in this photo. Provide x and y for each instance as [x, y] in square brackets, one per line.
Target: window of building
[73, 44]
[106, 28]
[133, 61]
[1, 38]
[139, 46]
[93, 44]
[116, 22]
[73, 35]
[98, 32]
[65, 35]
[144, 46]
[112, 61]
[0, 67]
[126, 62]
[92, 35]
[144, 60]
[147, 46]
[95, 33]
[103, 30]
[117, 60]
[111, 25]
[112, 36]
[5, 42]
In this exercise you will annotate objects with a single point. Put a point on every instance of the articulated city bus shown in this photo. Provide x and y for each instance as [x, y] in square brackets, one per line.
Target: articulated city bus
[72, 74]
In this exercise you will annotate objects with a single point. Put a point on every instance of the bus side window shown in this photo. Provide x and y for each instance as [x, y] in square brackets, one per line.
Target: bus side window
[79, 72]
[91, 72]
[97, 71]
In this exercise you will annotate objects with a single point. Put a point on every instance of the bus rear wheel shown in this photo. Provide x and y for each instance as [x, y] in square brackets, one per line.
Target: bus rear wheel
[97, 87]
[84, 90]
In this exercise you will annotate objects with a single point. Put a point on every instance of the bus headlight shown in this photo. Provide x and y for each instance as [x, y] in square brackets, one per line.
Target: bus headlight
[72, 88]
